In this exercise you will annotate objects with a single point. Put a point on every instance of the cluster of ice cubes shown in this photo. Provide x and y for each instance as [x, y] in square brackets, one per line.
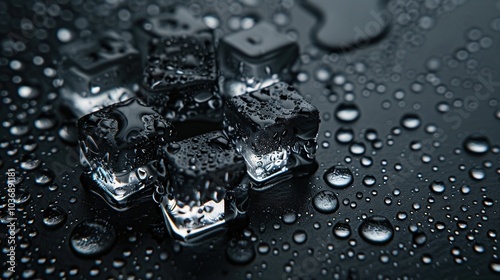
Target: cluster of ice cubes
[129, 104]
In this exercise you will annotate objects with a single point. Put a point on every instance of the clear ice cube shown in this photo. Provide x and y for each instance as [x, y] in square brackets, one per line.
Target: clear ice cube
[120, 146]
[275, 130]
[255, 58]
[180, 79]
[97, 72]
[174, 21]
[204, 191]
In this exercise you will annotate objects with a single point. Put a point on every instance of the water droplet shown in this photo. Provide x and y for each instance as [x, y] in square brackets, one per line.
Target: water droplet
[344, 135]
[410, 121]
[45, 122]
[495, 266]
[357, 149]
[477, 174]
[347, 112]
[44, 176]
[339, 177]
[476, 144]
[437, 186]
[369, 180]
[64, 35]
[289, 217]
[263, 248]
[240, 251]
[28, 92]
[325, 202]
[342, 230]
[30, 163]
[92, 238]
[419, 238]
[376, 230]
[54, 217]
[22, 197]
[426, 259]
[212, 21]
[300, 236]
[68, 133]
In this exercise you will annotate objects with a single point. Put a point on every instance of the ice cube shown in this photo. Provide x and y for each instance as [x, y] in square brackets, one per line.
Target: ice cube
[98, 71]
[120, 145]
[255, 58]
[275, 129]
[180, 78]
[174, 21]
[204, 190]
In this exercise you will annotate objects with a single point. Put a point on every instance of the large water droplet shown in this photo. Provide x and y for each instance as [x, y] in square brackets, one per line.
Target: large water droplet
[21, 197]
[30, 163]
[339, 177]
[240, 251]
[476, 144]
[325, 202]
[54, 217]
[376, 230]
[44, 176]
[92, 238]
[495, 266]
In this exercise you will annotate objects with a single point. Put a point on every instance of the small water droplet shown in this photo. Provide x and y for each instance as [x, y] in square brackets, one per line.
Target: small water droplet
[342, 230]
[344, 135]
[300, 236]
[92, 238]
[289, 217]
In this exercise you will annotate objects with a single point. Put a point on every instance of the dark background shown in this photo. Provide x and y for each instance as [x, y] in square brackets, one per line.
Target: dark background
[422, 31]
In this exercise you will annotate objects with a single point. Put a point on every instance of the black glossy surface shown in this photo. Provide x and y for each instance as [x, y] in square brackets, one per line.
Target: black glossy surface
[438, 60]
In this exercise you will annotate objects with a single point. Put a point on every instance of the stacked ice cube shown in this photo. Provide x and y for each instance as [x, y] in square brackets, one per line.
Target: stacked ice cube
[201, 183]
[98, 71]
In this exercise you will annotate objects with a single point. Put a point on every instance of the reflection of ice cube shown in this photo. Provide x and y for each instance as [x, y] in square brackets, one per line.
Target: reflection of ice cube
[235, 87]
[122, 185]
[82, 105]
[190, 223]
[265, 166]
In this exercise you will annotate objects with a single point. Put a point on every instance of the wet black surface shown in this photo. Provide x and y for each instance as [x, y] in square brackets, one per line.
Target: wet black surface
[414, 116]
